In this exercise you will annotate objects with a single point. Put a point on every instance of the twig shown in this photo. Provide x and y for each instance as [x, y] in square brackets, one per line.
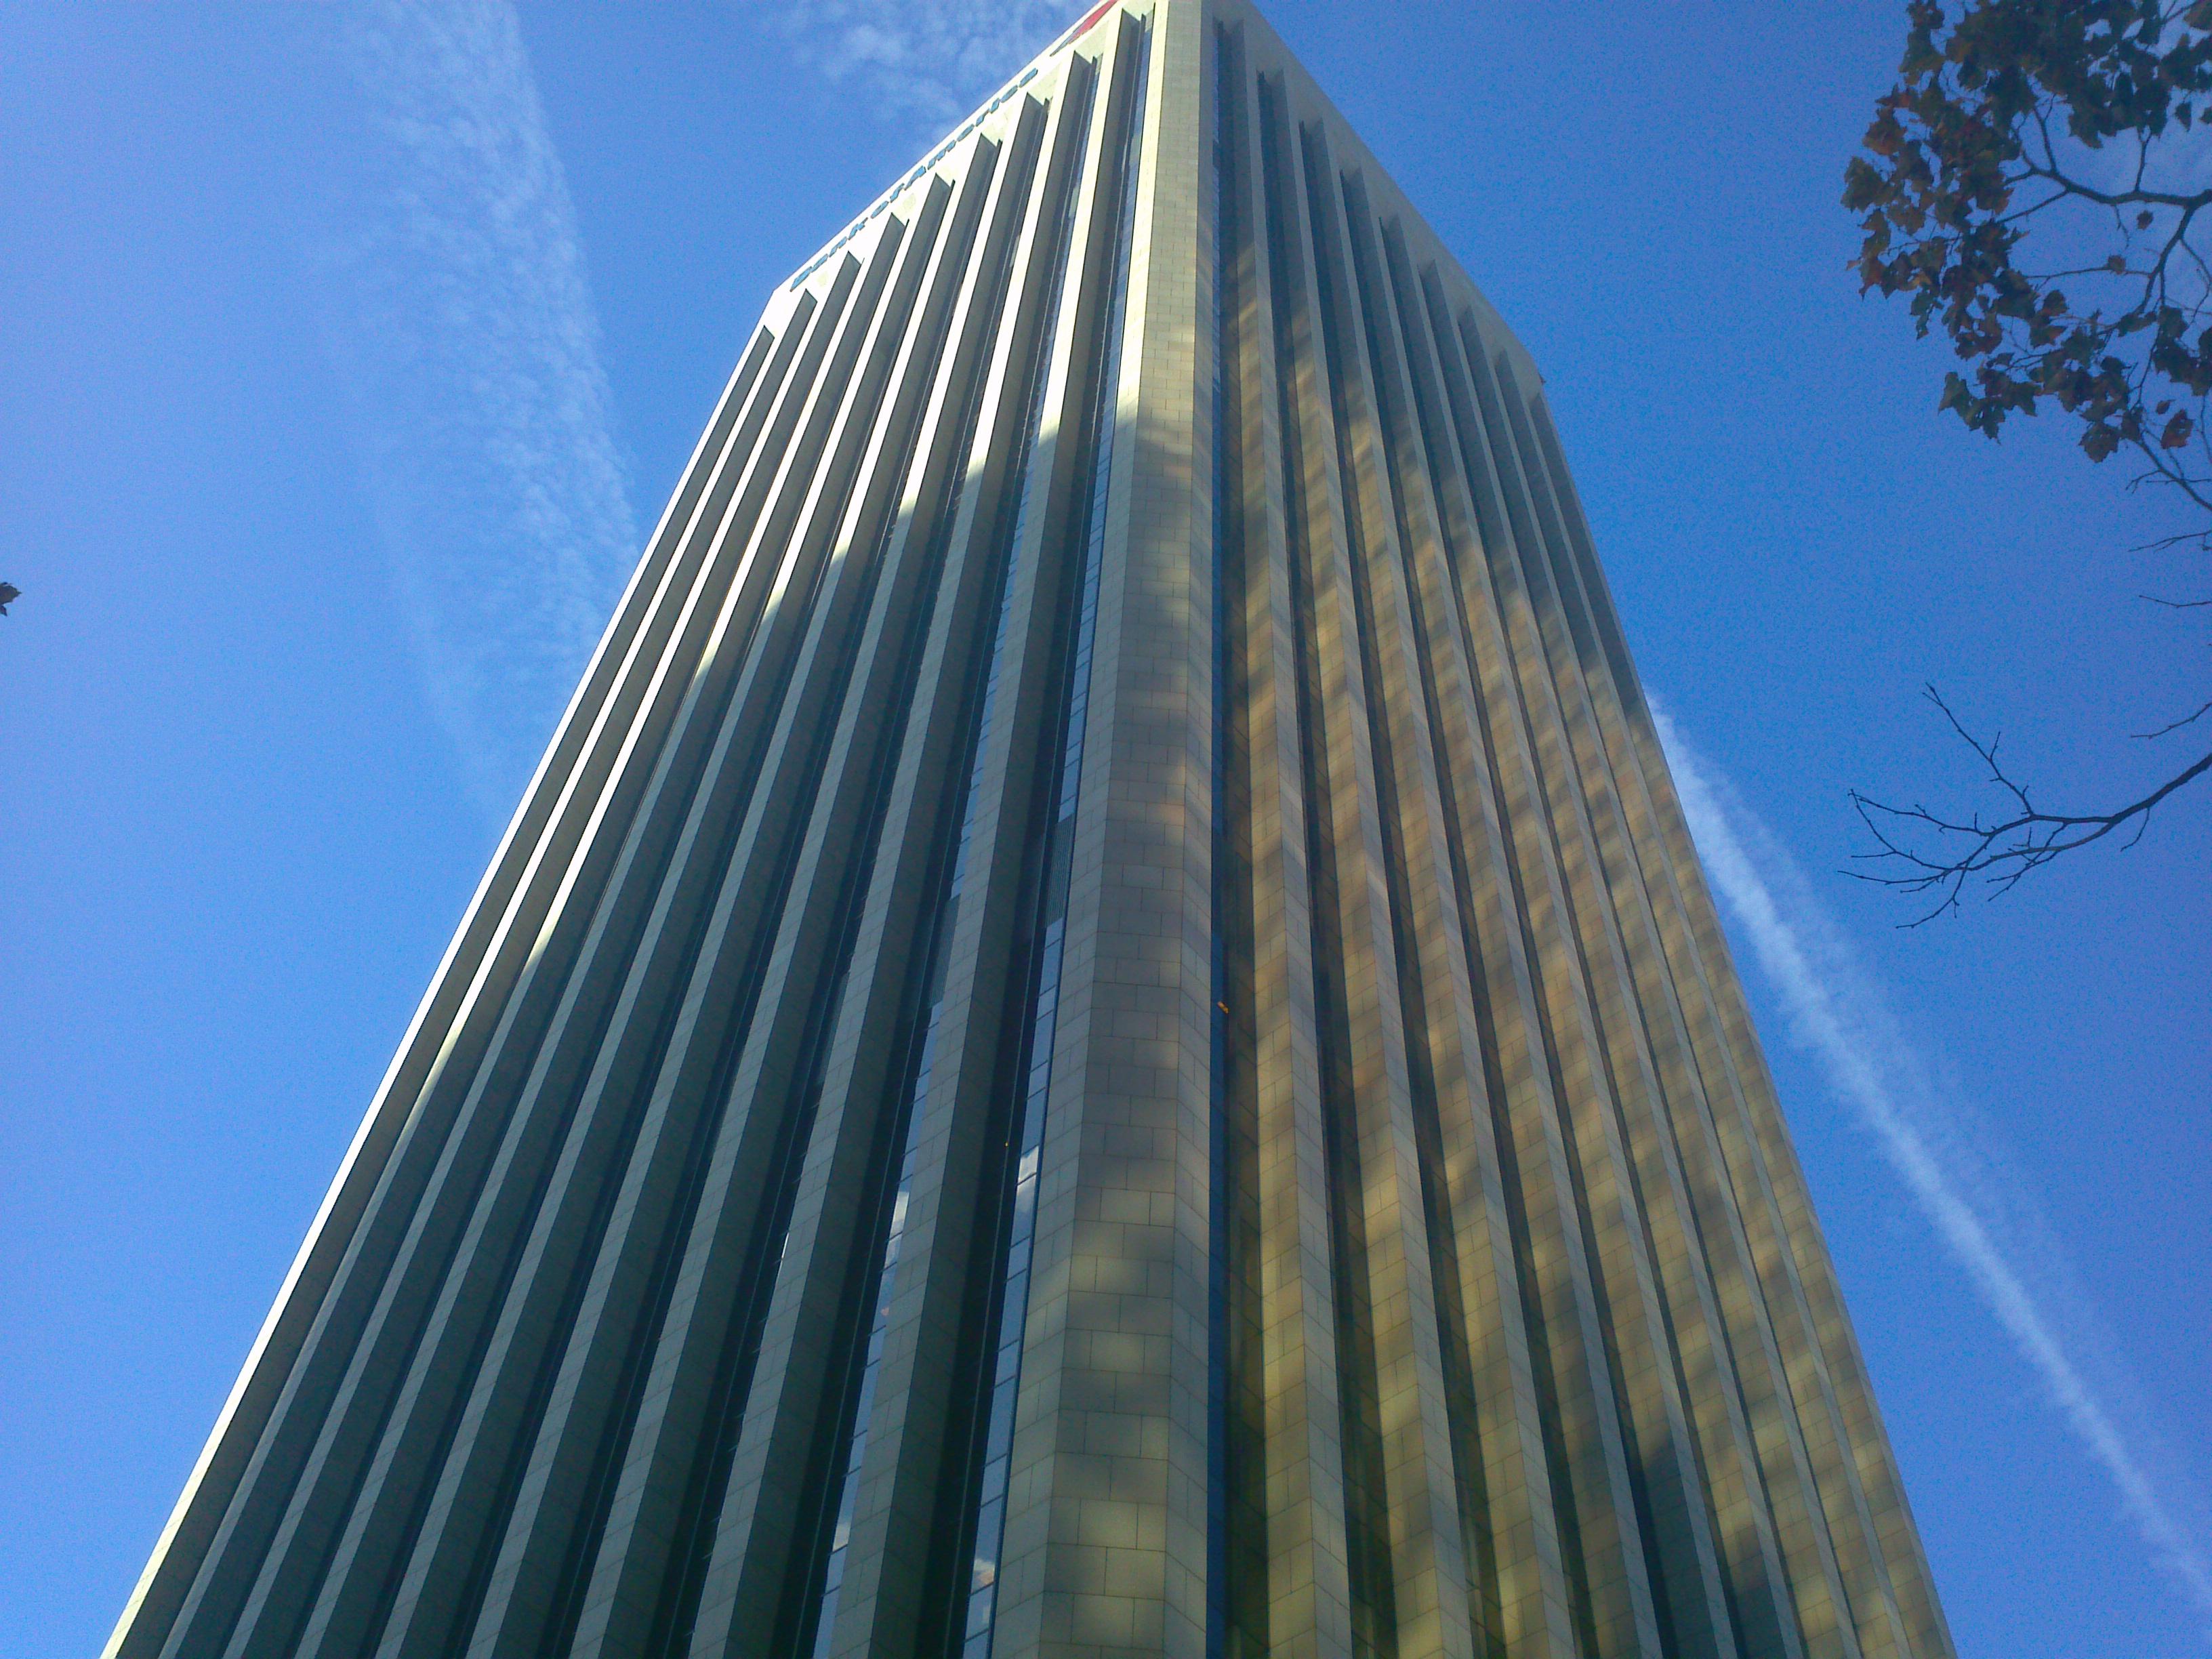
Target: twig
[2175, 726]
[2000, 853]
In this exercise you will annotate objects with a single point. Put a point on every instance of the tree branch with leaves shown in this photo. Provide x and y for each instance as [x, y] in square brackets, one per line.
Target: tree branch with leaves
[2037, 185]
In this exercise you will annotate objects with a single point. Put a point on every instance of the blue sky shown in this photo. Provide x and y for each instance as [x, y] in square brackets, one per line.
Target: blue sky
[343, 351]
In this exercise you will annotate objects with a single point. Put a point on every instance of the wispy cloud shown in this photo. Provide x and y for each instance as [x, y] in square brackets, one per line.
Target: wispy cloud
[459, 310]
[930, 60]
[1838, 1015]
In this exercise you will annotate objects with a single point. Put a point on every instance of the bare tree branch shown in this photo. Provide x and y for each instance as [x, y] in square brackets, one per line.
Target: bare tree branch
[1923, 852]
[2171, 727]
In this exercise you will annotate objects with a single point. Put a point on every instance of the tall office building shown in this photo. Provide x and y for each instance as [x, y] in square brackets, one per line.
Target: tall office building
[1100, 1034]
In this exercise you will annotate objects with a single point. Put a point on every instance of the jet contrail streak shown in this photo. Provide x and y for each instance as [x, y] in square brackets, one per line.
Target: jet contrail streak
[457, 308]
[1839, 1016]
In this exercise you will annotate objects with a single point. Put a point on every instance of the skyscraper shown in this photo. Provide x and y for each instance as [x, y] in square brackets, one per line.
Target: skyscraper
[1100, 1033]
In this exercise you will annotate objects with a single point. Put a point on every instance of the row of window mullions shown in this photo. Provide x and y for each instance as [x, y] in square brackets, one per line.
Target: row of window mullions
[926, 1072]
[1132, 51]
[816, 1587]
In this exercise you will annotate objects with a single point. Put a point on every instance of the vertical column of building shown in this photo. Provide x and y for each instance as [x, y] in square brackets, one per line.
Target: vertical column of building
[824, 1040]
[638, 1575]
[1237, 1474]
[1308, 1584]
[1821, 1351]
[1630, 1435]
[700, 1036]
[991, 999]
[828, 991]
[454, 1555]
[681, 1089]
[336, 1403]
[1817, 1416]
[1103, 1547]
[1652, 1269]
[1410, 1562]
[1506, 905]
[889, 551]
[1034, 759]
[1678, 1009]
[1508, 1490]
[339, 1268]
[474, 956]
[1470, 1245]
[904, 1574]
[501, 1314]
[598, 1054]
[1658, 1090]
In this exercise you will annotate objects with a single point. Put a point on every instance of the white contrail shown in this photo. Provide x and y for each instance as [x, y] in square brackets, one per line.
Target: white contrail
[1840, 1016]
[457, 306]
[928, 60]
